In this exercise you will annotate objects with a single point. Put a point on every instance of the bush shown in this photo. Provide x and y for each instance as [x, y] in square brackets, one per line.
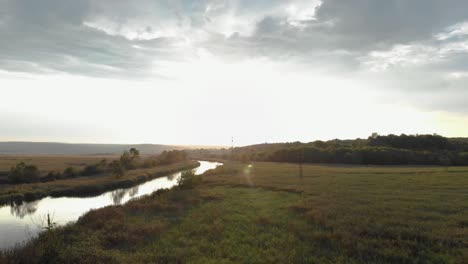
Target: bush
[70, 172]
[94, 169]
[188, 180]
[53, 175]
[24, 173]
[118, 169]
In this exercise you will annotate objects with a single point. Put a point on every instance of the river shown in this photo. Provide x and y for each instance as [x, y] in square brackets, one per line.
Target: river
[19, 222]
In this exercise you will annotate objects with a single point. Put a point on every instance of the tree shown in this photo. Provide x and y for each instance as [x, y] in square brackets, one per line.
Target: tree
[134, 157]
[130, 158]
[126, 160]
[135, 153]
[117, 169]
[24, 173]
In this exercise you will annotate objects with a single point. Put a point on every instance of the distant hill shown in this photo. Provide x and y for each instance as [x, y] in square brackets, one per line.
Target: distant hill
[33, 148]
[431, 149]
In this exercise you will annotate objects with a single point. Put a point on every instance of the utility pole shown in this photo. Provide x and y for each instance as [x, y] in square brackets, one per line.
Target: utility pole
[232, 148]
[300, 158]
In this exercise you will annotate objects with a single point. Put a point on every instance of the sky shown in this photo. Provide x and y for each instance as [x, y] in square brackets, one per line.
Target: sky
[201, 72]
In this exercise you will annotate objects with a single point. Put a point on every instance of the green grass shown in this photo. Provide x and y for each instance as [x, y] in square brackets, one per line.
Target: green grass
[265, 213]
[86, 185]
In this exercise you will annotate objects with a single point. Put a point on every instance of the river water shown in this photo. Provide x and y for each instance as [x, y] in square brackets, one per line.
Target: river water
[19, 222]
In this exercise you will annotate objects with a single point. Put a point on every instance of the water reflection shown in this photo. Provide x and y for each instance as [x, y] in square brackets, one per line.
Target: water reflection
[20, 221]
[23, 208]
[172, 176]
[118, 195]
[134, 191]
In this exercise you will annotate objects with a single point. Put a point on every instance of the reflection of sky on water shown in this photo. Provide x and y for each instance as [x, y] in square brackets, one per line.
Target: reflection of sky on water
[20, 221]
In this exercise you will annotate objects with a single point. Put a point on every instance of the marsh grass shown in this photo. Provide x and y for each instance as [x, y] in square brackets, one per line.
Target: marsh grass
[265, 213]
[48, 163]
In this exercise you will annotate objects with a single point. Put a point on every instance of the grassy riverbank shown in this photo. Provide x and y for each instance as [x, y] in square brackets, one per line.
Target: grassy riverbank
[87, 185]
[266, 213]
[50, 163]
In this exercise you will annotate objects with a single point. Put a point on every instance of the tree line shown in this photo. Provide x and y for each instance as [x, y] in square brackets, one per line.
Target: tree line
[129, 160]
[375, 150]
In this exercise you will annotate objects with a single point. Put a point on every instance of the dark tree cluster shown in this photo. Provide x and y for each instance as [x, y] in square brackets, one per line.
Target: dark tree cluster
[368, 155]
[415, 142]
[129, 160]
[378, 150]
[22, 173]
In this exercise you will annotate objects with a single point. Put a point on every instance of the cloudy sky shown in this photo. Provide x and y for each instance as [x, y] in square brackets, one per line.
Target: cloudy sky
[199, 72]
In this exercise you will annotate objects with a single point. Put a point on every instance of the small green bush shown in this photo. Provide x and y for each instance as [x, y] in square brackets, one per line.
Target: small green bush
[188, 180]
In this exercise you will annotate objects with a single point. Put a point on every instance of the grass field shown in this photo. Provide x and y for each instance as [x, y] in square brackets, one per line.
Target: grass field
[266, 213]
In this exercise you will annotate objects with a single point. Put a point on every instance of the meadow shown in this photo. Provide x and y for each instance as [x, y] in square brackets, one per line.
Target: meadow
[267, 213]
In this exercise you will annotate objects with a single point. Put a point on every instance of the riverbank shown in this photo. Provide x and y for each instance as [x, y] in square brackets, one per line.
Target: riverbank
[87, 185]
[266, 213]
[50, 163]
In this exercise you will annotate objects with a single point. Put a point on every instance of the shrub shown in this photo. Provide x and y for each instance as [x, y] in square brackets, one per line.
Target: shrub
[53, 175]
[94, 169]
[188, 180]
[118, 169]
[70, 172]
[24, 173]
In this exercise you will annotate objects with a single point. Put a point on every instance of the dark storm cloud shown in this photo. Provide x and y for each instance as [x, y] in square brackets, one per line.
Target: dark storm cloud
[391, 21]
[53, 35]
[361, 26]
[50, 36]
[343, 32]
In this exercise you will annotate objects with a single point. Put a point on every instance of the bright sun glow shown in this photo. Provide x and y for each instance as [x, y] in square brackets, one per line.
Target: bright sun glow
[200, 73]
[253, 95]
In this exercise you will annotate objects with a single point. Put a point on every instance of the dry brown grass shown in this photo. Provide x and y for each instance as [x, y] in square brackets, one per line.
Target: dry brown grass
[48, 163]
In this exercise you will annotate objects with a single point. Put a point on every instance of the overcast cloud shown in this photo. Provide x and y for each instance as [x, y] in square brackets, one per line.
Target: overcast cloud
[409, 52]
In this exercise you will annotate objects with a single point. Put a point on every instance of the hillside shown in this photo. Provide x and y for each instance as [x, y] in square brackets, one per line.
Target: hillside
[38, 148]
[376, 150]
